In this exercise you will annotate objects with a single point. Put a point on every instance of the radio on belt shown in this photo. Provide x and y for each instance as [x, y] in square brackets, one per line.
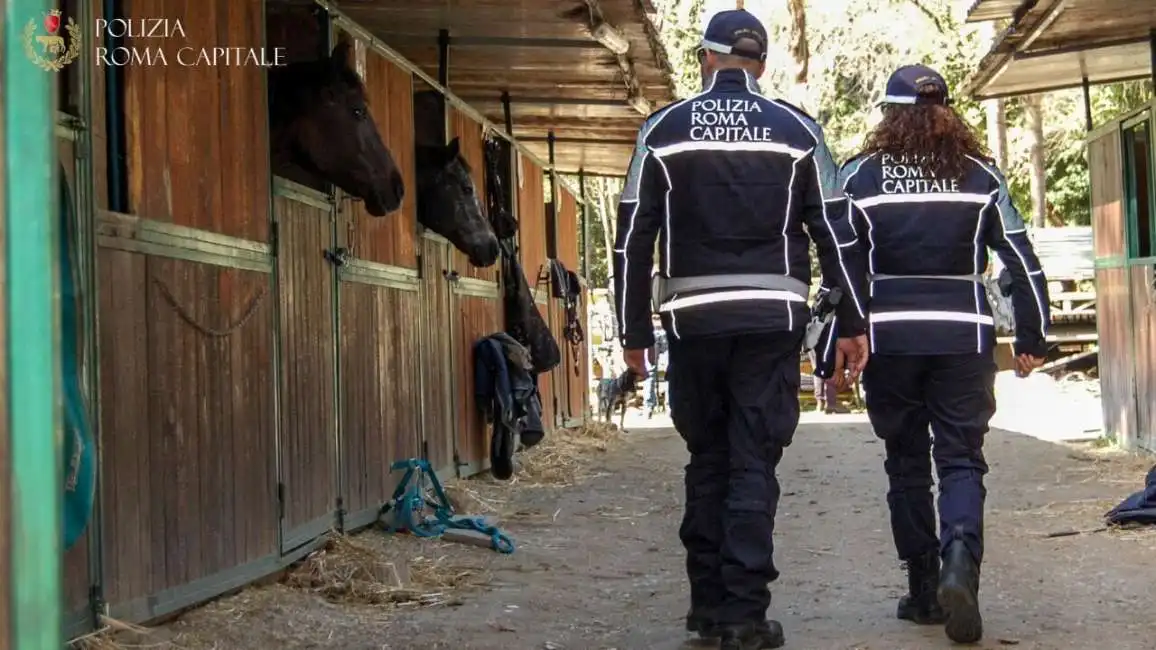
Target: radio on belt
[821, 314]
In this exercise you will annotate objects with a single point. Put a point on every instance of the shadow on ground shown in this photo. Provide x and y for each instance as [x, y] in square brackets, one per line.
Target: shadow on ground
[599, 565]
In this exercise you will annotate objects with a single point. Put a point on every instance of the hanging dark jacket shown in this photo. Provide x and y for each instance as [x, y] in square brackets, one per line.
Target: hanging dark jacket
[507, 396]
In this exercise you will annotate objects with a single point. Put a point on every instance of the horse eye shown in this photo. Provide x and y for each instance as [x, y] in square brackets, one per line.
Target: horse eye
[359, 112]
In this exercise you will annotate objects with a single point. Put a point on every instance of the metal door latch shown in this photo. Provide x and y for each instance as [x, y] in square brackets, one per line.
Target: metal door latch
[337, 256]
[451, 275]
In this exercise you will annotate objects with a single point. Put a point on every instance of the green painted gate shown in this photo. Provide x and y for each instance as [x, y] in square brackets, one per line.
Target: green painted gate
[30, 536]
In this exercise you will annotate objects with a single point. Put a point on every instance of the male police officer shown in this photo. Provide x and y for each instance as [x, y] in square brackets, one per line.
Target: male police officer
[731, 183]
[933, 205]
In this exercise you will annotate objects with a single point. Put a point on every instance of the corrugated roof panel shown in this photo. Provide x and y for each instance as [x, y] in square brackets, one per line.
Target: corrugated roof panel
[985, 10]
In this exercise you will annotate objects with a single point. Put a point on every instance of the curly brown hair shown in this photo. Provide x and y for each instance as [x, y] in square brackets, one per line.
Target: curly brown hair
[934, 132]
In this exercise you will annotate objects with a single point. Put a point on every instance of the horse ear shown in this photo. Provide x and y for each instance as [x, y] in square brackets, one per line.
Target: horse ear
[453, 149]
[341, 55]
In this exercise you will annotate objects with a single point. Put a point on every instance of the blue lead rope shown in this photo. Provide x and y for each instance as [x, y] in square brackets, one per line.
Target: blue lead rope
[79, 454]
[409, 498]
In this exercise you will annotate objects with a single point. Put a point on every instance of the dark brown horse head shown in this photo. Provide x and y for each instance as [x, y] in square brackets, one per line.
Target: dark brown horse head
[448, 202]
[321, 125]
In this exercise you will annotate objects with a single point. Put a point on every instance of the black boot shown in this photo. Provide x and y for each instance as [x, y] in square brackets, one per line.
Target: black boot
[959, 594]
[752, 636]
[702, 625]
[921, 605]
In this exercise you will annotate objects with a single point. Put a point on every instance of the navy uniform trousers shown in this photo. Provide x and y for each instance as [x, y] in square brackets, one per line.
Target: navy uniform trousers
[954, 397]
[735, 401]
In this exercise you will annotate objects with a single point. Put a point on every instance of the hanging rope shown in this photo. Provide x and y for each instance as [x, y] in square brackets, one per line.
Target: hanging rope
[204, 329]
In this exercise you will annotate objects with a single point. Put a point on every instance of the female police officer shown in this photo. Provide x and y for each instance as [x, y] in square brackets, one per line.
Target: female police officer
[927, 204]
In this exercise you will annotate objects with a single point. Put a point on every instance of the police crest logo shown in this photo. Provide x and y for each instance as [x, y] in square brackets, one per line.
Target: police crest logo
[49, 51]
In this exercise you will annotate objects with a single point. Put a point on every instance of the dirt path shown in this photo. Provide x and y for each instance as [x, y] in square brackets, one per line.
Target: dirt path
[599, 565]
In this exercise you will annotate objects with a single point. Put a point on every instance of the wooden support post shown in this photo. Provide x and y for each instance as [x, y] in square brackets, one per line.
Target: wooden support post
[1088, 122]
[511, 156]
[29, 209]
[1152, 51]
[444, 78]
[585, 225]
[552, 212]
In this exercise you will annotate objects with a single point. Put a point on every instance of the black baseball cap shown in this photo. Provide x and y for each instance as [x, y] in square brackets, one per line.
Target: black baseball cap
[727, 28]
[903, 87]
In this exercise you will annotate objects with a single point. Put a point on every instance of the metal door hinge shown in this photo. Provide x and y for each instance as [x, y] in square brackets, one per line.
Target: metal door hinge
[280, 500]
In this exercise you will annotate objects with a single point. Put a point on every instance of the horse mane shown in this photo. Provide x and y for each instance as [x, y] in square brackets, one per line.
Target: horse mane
[298, 83]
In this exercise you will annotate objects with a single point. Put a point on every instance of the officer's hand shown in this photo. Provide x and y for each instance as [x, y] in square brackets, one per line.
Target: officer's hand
[636, 362]
[1026, 363]
[850, 355]
[839, 373]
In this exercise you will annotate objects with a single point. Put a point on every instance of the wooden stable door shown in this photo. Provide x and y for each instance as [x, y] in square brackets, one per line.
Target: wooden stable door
[380, 330]
[479, 314]
[1139, 144]
[459, 310]
[439, 313]
[307, 488]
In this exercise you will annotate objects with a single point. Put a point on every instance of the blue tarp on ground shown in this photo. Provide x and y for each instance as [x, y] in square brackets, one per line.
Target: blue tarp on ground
[1140, 508]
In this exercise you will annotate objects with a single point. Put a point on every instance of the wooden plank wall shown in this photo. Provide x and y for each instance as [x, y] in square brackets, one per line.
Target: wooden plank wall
[187, 425]
[1143, 286]
[380, 335]
[560, 376]
[532, 255]
[178, 143]
[380, 389]
[1113, 300]
[1116, 363]
[187, 419]
[479, 316]
[1106, 169]
[546, 381]
[569, 226]
[308, 413]
[437, 318]
[531, 219]
[391, 239]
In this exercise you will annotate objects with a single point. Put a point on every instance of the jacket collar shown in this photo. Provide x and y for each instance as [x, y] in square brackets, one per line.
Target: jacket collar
[732, 80]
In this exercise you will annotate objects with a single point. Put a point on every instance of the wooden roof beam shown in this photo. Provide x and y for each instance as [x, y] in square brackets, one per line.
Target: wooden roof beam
[619, 45]
[566, 140]
[494, 41]
[547, 101]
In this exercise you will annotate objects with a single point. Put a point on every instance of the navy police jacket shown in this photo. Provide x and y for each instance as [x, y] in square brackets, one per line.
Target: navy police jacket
[926, 240]
[732, 187]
